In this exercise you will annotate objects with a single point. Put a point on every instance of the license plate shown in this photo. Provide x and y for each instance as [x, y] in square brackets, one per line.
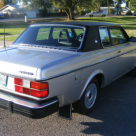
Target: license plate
[3, 80]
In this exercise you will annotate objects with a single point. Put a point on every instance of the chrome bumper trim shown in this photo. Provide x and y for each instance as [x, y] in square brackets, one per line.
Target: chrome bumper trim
[26, 103]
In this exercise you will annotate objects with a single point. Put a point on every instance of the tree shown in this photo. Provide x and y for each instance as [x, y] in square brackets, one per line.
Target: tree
[70, 5]
[118, 5]
[103, 3]
[1, 4]
[10, 1]
[131, 4]
[38, 4]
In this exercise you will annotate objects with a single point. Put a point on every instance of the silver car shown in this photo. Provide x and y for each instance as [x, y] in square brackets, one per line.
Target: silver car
[1, 16]
[95, 14]
[54, 66]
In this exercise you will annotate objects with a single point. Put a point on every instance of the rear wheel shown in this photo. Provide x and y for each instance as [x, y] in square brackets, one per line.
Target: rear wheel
[88, 100]
[133, 72]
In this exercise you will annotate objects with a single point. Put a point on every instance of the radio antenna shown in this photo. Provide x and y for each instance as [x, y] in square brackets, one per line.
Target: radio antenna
[4, 36]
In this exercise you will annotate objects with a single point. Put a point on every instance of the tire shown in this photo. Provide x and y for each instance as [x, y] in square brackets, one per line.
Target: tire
[88, 100]
[91, 15]
[133, 72]
[103, 15]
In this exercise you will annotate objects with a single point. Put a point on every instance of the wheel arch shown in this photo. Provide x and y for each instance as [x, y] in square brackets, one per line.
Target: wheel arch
[100, 78]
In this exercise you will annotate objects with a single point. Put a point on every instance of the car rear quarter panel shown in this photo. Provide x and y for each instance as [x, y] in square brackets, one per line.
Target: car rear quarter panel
[70, 87]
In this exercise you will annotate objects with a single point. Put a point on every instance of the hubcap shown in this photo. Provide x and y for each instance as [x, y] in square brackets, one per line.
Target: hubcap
[90, 95]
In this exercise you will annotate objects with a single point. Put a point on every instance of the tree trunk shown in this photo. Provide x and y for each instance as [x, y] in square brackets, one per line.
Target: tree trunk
[71, 14]
[71, 10]
[67, 12]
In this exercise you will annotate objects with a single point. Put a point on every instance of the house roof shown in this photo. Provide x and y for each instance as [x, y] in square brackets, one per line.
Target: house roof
[14, 6]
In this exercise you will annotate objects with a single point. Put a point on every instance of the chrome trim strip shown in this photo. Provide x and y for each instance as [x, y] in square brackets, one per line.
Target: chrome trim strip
[73, 70]
[44, 46]
[24, 102]
[54, 76]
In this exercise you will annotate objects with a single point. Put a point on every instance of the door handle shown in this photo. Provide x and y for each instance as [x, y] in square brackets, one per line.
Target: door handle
[119, 51]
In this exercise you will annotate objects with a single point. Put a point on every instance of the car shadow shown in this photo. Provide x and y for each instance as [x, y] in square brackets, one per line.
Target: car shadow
[115, 112]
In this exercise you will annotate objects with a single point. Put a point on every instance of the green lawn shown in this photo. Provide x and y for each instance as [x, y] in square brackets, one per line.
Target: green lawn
[16, 29]
[116, 20]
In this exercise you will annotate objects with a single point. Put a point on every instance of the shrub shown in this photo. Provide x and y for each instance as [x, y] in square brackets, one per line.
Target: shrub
[129, 12]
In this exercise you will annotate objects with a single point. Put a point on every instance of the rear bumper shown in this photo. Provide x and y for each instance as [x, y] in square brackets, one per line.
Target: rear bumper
[28, 108]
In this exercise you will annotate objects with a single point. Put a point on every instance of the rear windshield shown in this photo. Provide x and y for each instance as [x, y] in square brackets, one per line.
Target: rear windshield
[66, 37]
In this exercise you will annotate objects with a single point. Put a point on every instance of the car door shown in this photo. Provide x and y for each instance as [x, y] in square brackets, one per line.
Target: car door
[99, 14]
[108, 54]
[94, 14]
[124, 49]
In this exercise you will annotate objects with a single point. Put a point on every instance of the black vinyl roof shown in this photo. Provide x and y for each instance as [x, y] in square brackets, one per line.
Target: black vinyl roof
[78, 23]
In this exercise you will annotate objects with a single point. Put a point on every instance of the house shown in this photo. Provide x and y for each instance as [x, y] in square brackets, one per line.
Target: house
[123, 11]
[14, 11]
[104, 10]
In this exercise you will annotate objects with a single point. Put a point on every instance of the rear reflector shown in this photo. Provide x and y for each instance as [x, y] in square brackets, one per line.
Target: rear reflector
[18, 81]
[38, 85]
[39, 94]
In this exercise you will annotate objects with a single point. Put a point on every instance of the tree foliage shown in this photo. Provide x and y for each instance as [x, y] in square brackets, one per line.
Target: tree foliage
[38, 3]
[118, 5]
[10, 1]
[103, 3]
[70, 5]
[1, 4]
[132, 4]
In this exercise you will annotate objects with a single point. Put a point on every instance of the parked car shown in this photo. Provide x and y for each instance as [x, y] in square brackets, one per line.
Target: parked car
[52, 66]
[95, 14]
[1, 16]
[134, 13]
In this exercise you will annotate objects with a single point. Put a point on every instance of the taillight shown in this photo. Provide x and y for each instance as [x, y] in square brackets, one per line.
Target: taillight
[18, 89]
[38, 85]
[37, 89]
[39, 94]
[18, 81]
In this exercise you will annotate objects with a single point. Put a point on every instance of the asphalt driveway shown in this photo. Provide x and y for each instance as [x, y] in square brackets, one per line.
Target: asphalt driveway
[7, 43]
[114, 115]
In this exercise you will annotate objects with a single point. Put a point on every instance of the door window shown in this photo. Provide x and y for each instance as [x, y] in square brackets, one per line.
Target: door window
[117, 36]
[104, 36]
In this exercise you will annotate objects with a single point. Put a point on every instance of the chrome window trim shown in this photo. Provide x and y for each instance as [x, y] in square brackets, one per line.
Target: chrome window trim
[44, 46]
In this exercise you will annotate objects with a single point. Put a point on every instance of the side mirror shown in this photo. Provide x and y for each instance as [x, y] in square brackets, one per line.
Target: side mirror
[133, 39]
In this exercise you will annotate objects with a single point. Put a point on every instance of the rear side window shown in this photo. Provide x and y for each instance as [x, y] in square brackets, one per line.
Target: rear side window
[104, 36]
[43, 34]
[117, 36]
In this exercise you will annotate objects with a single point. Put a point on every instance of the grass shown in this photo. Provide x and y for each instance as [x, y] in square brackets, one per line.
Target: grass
[16, 29]
[116, 20]
[12, 38]
[12, 28]
[130, 29]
